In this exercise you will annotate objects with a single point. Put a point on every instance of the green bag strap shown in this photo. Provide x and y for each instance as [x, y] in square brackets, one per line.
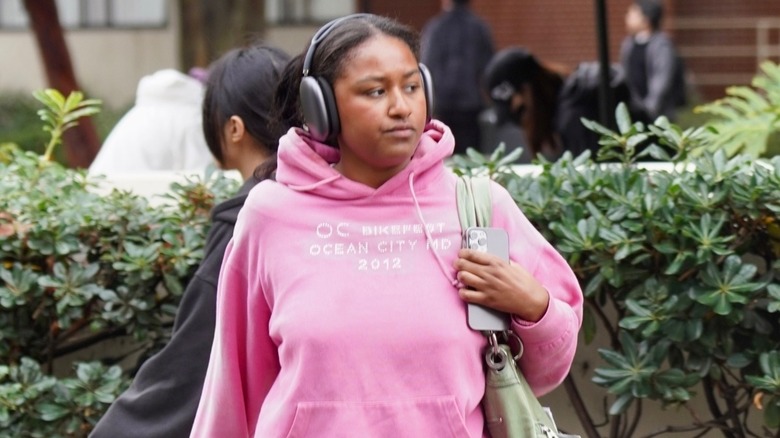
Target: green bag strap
[475, 205]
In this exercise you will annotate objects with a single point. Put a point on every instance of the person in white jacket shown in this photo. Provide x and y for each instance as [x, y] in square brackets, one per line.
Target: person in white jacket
[162, 131]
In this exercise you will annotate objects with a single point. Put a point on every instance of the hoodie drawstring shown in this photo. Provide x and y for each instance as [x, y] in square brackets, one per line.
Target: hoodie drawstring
[428, 238]
[313, 186]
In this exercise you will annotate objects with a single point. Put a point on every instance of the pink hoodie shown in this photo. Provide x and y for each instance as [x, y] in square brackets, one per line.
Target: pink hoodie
[338, 314]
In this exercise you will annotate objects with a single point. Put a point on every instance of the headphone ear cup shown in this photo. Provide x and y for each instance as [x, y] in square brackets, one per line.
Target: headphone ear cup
[427, 81]
[319, 108]
[334, 123]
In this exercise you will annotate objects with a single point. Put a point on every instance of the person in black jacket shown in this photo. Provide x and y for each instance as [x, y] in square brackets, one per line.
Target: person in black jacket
[164, 395]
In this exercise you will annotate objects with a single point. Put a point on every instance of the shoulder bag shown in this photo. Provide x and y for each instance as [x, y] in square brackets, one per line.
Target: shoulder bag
[510, 407]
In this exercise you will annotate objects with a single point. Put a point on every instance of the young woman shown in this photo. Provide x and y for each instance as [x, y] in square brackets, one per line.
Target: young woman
[342, 297]
[236, 122]
[524, 95]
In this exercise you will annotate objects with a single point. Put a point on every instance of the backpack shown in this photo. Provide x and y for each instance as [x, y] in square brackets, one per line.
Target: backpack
[579, 98]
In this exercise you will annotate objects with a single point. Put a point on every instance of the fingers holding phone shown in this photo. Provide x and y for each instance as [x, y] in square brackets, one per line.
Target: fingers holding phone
[485, 241]
[495, 287]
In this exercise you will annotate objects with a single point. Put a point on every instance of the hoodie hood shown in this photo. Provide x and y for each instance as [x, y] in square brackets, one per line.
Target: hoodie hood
[306, 164]
[169, 87]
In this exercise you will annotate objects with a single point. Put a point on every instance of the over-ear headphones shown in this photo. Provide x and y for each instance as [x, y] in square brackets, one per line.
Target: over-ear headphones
[317, 99]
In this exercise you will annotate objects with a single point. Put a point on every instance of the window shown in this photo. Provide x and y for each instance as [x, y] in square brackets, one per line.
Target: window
[306, 11]
[12, 14]
[75, 14]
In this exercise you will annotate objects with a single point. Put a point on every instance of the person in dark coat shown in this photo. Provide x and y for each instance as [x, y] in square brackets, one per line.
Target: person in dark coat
[164, 395]
[456, 46]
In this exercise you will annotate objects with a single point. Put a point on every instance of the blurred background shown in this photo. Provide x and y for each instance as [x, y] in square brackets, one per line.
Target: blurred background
[110, 44]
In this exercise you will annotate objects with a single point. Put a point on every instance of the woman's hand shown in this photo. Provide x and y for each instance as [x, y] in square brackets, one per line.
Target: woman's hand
[501, 285]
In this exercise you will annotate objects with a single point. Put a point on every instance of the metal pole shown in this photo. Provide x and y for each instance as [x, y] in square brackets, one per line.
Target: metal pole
[605, 94]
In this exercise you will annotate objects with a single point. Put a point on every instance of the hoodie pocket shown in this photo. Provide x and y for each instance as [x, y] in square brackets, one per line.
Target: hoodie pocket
[424, 417]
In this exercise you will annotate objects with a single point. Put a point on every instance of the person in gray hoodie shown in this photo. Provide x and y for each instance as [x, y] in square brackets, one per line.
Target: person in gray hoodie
[240, 133]
[653, 68]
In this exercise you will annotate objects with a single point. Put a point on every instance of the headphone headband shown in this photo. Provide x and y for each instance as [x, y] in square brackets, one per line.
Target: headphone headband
[320, 35]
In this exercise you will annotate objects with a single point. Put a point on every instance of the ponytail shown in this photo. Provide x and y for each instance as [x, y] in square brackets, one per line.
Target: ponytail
[287, 96]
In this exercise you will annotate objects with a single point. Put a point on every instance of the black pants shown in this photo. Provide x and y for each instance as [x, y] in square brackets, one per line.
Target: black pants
[464, 126]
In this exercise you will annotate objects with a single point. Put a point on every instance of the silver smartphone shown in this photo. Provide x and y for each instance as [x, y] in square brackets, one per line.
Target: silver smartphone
[494, 241]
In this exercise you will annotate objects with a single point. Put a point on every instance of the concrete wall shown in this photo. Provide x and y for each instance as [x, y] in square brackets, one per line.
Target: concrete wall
[110, 62]
[292, 39]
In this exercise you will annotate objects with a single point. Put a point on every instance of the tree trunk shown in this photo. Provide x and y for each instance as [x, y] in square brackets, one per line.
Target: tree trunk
[210, 28]
[194, 50]
[81, 142]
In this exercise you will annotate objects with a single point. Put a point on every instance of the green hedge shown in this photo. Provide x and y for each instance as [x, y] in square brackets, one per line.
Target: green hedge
[680, 270]
[78, 269]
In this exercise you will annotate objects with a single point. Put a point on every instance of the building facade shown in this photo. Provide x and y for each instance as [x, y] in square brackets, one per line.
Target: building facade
[114, 43]
[721, 42]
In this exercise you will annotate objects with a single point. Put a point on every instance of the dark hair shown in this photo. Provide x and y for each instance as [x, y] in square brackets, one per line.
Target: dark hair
[507, 72]
[653, 10]
[330, 57]
[241, 83]
[546, 84]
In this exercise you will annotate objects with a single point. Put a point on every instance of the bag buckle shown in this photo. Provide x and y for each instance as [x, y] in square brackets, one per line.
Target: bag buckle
[495, 356]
